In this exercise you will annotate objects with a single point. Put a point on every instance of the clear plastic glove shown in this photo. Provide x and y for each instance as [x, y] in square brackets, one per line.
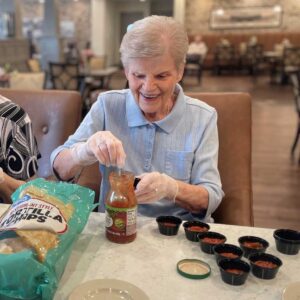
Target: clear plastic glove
[155, 186]
[102, 146]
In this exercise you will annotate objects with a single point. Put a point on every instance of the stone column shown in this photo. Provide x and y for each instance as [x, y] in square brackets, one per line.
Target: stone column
[98, 26]
[13, 9]
[50, 42]
[179, 10]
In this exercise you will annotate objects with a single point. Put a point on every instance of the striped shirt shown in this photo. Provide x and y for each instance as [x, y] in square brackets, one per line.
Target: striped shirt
[18, 147]
[183, 145]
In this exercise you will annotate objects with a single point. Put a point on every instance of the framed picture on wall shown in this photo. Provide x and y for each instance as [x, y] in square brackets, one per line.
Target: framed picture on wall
[246, 17]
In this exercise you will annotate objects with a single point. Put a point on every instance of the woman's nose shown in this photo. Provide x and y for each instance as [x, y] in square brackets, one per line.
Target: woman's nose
[149, 84]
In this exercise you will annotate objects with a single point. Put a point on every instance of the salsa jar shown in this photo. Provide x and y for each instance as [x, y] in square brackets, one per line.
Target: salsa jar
[121, 208]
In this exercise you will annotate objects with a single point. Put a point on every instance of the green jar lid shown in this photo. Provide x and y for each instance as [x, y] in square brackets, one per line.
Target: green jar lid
[193, 268]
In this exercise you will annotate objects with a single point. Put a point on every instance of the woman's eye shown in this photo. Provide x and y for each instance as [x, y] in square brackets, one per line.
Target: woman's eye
[139, 76]
[162, 76]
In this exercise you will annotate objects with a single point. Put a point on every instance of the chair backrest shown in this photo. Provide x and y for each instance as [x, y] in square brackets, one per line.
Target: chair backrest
[234, 125]
[193, 59]
[295, 80]
[97, 63]
[291, 57]
[64, 76]
[27, 81]
[34, 65]
[54, 114]
[224, 54]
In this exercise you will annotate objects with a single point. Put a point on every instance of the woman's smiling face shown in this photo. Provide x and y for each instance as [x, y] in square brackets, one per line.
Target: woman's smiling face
[152, 81]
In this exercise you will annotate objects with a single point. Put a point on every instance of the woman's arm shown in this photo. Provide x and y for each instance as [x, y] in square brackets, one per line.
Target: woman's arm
[7, 186]
[102, 146]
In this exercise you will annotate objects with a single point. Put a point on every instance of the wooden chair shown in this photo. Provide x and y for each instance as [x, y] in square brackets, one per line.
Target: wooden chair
[193, 66]
[66, 76]
[234, 123]
[252, 58]
[295, 80]
[224, 58]
[289, 63]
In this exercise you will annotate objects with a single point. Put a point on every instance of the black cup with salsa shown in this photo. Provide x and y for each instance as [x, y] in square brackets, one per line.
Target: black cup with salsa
[234, 272]
[168, 225]
[252, 244]
[210, 239]
[264, 265]
[194, 228]
[227, 251]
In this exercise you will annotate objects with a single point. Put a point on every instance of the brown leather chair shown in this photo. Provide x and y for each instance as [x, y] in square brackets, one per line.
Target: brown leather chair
[54, 114]
[234, 123]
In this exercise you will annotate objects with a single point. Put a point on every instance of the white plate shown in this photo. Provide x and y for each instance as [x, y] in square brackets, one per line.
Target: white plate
[107, 289]
[292, 291]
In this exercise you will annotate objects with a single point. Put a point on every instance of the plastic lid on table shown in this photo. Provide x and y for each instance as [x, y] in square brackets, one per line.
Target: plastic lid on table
[193, 268]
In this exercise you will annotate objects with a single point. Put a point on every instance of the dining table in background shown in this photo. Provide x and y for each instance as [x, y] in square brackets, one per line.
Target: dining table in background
[102, 76]
[150, 261]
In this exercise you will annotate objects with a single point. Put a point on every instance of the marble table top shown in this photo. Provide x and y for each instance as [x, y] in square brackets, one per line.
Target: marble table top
[150, 263]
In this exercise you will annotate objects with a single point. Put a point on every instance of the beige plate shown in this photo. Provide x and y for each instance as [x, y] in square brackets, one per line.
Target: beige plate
[292, 291]
[107, 289]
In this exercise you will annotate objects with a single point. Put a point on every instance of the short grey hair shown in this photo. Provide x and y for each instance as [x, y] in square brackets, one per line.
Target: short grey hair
[153, 36]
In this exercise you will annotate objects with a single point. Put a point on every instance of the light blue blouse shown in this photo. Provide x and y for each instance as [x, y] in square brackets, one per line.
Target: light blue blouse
[184, 145]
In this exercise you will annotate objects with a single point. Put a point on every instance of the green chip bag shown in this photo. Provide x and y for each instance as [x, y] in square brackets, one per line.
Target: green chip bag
[46, 218]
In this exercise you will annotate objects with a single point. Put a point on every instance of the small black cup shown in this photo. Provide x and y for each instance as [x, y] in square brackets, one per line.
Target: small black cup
[234, 272]
[266, 271]
[259, 245]
[287, 241]
[168, 225]
[194, 228]
[227, 251]
[210, 239]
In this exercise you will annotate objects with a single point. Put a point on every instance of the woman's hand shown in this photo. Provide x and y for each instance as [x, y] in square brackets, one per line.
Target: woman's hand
[102, 146]
[155, 186]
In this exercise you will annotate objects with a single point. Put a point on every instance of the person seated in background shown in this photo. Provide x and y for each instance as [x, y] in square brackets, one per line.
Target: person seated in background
[152, 129]
[71, 53]
[18, 152]
[198, 47]
[87, 53]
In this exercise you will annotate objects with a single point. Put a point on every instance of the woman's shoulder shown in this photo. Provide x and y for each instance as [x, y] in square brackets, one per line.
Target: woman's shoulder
[199, 105]
[112, 99]
[114, 95]
[12, 111]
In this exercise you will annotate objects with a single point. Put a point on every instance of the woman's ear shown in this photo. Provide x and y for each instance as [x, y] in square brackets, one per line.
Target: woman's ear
[180, 72]
[126, 72]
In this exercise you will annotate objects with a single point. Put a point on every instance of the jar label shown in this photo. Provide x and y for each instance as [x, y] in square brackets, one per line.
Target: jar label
[120, 221]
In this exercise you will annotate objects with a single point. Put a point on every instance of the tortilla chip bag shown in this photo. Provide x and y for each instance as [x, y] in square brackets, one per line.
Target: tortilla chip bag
[37, 233]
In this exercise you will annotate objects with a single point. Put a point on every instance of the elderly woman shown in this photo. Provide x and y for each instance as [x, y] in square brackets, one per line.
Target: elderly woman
[152, 129]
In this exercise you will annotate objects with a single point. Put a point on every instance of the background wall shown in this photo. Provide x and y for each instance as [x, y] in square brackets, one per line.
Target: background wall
[198, 14]
[71, 14]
